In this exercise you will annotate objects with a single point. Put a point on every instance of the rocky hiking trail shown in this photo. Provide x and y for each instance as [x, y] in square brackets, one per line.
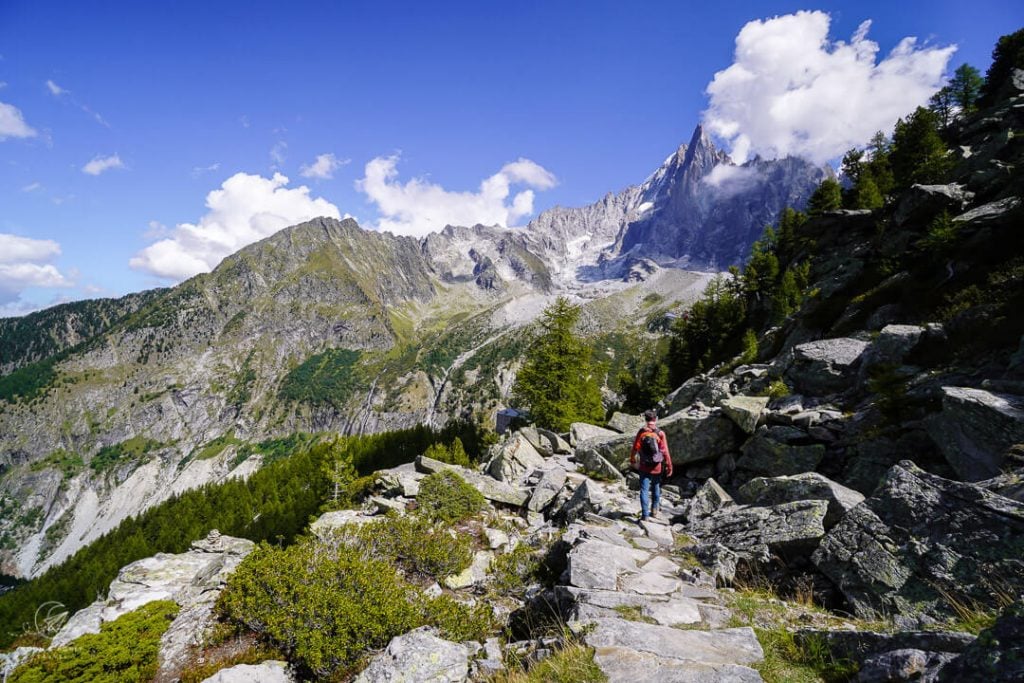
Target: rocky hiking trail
[670, 599]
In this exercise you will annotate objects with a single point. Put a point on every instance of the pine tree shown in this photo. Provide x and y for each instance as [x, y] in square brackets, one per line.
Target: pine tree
[865, 194]
[942, 103]
[828, 197]
[557, 380]
[918, 154]
[965, 88]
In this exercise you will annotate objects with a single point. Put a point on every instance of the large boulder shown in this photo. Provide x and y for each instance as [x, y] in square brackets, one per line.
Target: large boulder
[625, 423]
[892, 346]
[582, 431]
[403, 480]
[771, 453]
[596, 465]
[804, 486]
[754, 533]
[709, 499]
[546, 442]
[725, 646]
[514, 458]
[692, 436]
[921, 203]
[583, 500]
[683, 396]
[419, 655]
[975, 429]
[551, 483]
[823, 367]
[597, 564]
[922, 542]
[745, 411]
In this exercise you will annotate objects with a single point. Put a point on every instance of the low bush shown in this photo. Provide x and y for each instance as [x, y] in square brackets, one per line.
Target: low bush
[327, 607]
[125, 650]
[513, 571]
[417, 545]
[446, 497]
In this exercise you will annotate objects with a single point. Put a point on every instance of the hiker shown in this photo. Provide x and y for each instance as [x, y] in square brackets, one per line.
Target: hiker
[651, 459]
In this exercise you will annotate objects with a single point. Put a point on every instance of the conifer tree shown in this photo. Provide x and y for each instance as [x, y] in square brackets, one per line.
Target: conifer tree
[965, 88]
[828, 197]
[557, 380]
[918, 154]
[943, 103]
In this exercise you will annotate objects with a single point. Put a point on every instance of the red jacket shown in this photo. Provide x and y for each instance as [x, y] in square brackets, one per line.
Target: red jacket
[656, 468]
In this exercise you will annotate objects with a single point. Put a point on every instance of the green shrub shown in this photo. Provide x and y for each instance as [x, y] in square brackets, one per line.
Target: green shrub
[416, 544]
[445, 496]
[69, 464]
[513, 571]
[453, 453]
[457, 621]
[125, 650]
[749, 354]
[777, 389]
[327, 607]
[110, 457]
[942, 234]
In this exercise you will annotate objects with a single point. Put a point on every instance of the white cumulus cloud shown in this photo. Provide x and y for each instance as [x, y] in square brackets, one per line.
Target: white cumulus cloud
[245, 209]
[792, 91]
[100, 164]
[23, 264]
[418, 206]
[727, 180]
[323, 168]
[55, 89]
[12, 123]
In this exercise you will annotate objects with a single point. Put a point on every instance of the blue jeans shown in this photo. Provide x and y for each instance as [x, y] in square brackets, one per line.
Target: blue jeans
[648, 482]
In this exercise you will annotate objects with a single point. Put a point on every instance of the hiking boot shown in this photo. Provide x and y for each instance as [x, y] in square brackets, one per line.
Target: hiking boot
[654, 513]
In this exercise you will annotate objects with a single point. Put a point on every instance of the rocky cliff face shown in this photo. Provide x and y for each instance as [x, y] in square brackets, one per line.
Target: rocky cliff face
[698, 210]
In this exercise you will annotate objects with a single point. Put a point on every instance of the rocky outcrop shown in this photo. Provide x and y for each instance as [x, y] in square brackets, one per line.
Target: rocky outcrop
[975, 429]
[512, 459]
[745, 411]
[824, 367]
[806, 486]
[922, 542]
[756, 532]
[921, 203]
[779, 451]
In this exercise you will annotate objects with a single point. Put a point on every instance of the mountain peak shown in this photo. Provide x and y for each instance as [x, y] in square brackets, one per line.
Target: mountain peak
[702, 150]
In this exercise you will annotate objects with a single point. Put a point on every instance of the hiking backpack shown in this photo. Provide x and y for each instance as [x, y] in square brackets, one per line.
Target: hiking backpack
[650, 448]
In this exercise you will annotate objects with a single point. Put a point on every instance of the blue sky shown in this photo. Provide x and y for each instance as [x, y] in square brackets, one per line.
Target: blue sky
[553, 102]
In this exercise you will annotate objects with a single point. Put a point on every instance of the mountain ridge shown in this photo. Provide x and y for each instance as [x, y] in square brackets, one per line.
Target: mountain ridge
[324, 326]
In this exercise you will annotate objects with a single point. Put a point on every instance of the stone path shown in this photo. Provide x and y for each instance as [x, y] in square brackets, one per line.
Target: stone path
[645, 617]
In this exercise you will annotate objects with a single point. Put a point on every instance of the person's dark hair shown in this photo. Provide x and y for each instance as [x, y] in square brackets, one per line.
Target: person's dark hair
[650, 415]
